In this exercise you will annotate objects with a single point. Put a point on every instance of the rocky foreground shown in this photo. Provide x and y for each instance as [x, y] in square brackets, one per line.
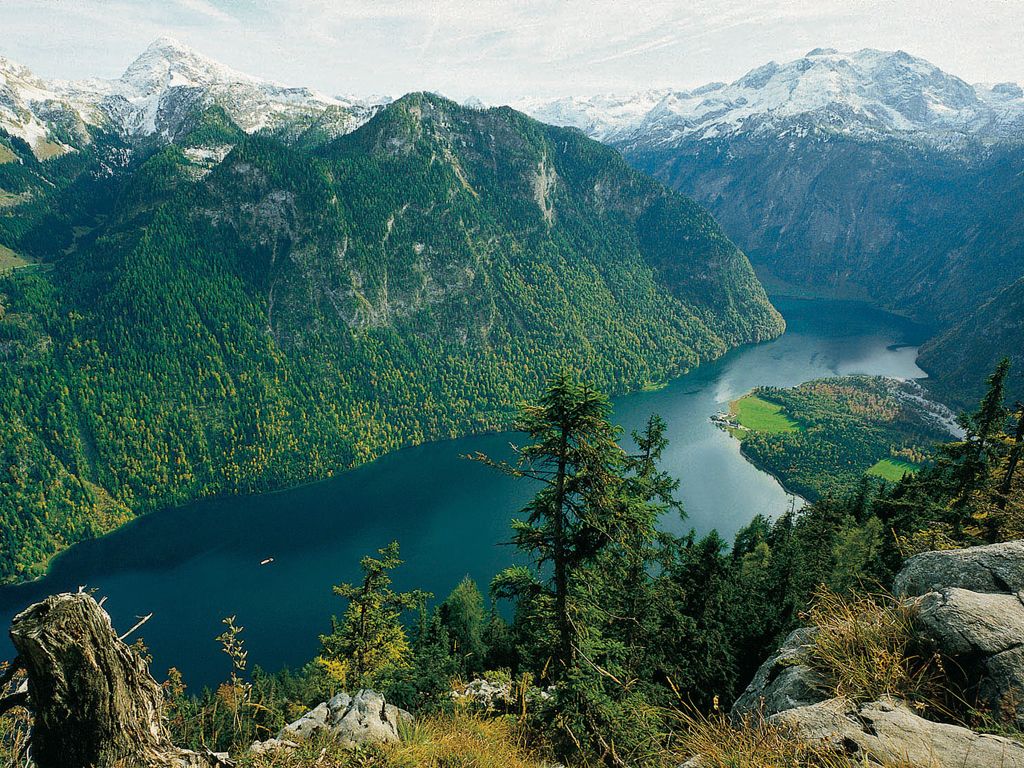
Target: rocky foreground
[969, 604]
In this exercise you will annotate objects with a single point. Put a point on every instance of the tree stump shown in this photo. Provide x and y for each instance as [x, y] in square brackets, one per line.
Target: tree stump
[94, 703]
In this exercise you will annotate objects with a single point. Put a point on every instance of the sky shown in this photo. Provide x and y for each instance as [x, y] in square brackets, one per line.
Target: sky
[501, 51]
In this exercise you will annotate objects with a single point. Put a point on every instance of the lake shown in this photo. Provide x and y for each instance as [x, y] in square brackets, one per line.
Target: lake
[194, 565]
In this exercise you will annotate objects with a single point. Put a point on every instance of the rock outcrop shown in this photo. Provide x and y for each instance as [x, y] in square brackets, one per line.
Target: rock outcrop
[989, 569]
[782, 682]
[969, 604]
[888, 732]
[353, 721]
[499, 695]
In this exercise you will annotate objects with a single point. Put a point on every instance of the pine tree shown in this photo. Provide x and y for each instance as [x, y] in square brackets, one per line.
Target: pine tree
[576, 513]
[370, 640]
[969, 462]
[462, 615]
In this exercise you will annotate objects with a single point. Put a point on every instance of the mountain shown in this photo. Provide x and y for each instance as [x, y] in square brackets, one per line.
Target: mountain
[977, 343]
[232, 312]
[867, 94]
[871, 175]
[156, 95]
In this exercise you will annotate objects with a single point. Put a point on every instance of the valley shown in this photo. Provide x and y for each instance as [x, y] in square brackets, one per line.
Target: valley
[870, 174]
[406, 431]
[299, 310]
[194, 564]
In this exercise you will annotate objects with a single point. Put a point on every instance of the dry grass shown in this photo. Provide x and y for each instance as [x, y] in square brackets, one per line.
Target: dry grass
[755, 743]
[14, 727]
[867, 646]
[11, 260]
[456, 741]
[751, 743]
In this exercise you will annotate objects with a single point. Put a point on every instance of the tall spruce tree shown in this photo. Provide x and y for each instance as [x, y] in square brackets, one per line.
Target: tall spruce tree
[574, 455]
[970, 461]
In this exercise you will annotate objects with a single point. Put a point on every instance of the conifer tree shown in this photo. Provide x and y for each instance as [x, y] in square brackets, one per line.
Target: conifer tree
[369, 639]
[576, 513]
[970, 461]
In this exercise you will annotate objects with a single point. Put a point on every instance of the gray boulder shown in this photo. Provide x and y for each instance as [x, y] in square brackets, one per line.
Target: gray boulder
[887, 731]
[984, 634]
[365, 718]
[992, 568]
[962, 622]
[782, 682]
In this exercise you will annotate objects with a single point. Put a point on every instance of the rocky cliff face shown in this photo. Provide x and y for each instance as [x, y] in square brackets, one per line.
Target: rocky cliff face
[968, 605]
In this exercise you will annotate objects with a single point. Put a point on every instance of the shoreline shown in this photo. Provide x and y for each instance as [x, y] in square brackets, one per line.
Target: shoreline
[638, 388]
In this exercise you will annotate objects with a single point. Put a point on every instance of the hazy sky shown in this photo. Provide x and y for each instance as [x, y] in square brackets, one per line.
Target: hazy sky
[502, 50]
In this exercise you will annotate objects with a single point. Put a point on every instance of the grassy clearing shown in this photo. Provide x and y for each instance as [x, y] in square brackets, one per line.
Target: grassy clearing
[456, 741]
[892, 469]
[10, 260]
[46, 150]
[7, 200]
[759, 415]
[7, 155]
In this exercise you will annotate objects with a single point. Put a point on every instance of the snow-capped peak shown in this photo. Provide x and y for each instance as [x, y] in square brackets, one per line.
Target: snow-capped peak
[158, 93]
[867, 92]
[167, 63]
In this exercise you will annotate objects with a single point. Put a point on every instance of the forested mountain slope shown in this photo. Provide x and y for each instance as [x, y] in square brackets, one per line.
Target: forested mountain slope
[980, 340]
[871, 175]
[920, 230]
[197, 325]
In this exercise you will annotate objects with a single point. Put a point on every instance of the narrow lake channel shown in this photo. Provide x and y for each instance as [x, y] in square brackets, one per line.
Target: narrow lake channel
[195, 564]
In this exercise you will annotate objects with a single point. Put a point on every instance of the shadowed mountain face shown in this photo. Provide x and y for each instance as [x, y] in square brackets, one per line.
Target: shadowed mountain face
[872, 174]
[230, 311]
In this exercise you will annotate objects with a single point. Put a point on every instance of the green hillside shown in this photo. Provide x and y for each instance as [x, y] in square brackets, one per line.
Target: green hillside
[292, 311]
[821, 437]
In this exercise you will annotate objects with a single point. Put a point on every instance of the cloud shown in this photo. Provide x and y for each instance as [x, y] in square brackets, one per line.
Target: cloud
[502, 50]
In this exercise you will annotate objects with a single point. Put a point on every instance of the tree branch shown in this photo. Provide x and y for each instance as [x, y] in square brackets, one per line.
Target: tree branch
[14, 666]
[141, 621]
[12, 701]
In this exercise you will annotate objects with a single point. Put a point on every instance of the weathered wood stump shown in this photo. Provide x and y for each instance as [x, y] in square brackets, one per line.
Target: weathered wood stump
[94, 703]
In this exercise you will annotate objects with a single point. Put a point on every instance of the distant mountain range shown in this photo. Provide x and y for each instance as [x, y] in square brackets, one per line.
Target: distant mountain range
[157, 92]
[870, 174]
[868, 94]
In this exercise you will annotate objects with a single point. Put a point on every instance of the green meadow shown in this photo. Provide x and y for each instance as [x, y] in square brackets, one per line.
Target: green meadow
[759, 415]
[892, 469]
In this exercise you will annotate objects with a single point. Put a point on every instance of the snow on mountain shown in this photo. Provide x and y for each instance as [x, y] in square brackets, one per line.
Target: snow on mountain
[157, 93]
[868, 92]
[601, 117]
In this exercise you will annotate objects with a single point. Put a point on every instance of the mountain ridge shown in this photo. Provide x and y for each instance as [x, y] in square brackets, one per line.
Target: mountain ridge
[234, 312]
[149, 98]
[866, 93]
